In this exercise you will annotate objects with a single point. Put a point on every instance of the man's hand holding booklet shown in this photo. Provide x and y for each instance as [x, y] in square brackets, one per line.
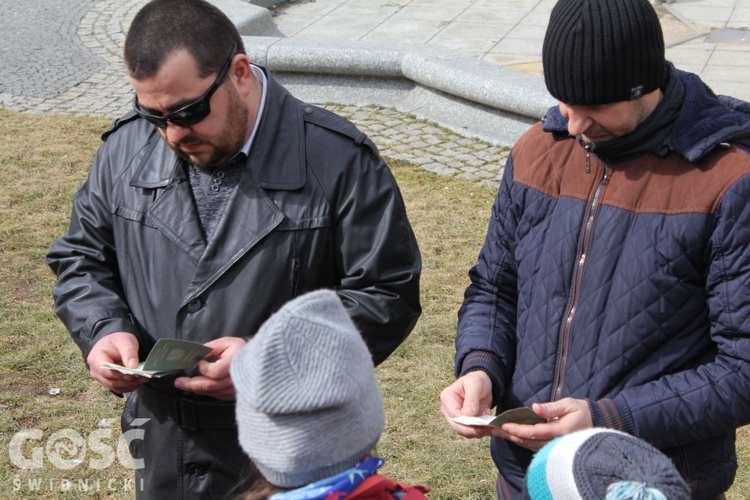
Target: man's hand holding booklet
[521, 415]
[168, 357]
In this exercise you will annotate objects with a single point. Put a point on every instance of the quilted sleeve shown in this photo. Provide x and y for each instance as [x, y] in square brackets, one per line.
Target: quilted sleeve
[486, 321]
[713, 397]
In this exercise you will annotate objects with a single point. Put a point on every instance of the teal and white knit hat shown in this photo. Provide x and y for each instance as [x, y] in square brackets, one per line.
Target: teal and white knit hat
[596, 464]
[308, 403]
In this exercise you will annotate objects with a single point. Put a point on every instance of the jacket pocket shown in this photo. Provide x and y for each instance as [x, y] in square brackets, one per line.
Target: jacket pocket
[301, 224]
[126, 213]
[303, 235]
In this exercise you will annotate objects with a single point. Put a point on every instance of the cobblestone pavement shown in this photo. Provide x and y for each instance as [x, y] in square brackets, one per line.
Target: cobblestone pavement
[64, 56]
[81, 72]
[435, 149]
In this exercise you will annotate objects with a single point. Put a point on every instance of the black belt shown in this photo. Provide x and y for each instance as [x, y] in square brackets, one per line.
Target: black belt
[189, 414]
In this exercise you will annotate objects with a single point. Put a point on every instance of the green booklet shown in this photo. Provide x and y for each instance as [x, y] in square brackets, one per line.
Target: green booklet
[523, 415]
[169, 356]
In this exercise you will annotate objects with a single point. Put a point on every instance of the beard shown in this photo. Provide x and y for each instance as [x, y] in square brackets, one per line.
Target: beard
[225, 144]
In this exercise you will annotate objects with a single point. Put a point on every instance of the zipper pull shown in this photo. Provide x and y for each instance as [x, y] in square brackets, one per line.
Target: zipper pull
[587, 147]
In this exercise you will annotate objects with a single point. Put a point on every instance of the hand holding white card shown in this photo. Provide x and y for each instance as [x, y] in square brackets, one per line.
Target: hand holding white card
[521, 415]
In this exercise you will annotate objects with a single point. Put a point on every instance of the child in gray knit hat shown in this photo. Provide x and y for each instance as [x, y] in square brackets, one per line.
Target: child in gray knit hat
[309, 410]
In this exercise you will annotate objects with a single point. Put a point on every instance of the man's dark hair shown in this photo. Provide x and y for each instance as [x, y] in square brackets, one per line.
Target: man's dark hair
[163, 26]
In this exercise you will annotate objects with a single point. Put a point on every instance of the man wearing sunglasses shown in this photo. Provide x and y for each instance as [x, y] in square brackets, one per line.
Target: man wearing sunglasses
[218, 199]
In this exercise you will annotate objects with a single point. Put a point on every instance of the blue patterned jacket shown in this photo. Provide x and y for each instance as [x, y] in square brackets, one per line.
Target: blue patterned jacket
[619, 273]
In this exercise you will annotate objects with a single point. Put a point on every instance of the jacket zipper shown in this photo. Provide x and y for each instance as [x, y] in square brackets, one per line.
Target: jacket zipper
[570, 313]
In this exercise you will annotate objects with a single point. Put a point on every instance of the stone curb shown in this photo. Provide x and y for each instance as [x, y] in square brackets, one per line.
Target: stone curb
[464, 94]
[483, 83]
[470, 97]
[248, 18]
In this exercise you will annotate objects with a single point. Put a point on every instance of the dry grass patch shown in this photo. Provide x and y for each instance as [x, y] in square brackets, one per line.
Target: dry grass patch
[45, 158]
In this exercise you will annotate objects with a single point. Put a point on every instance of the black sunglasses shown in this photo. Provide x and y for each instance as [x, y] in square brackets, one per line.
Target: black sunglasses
[192, 113]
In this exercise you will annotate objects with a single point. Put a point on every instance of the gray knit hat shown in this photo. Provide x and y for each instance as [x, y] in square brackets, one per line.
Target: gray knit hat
[603, 51]
[308, 403]
[596, 464]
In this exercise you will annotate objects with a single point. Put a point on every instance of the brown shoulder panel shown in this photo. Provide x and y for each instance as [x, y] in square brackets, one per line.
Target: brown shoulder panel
[556, 166]
[673, 185]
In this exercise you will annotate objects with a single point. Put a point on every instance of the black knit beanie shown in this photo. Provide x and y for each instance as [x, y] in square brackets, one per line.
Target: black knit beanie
[603, 51]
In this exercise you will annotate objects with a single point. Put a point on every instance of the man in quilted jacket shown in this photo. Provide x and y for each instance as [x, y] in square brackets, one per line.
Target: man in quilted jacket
[613, 287]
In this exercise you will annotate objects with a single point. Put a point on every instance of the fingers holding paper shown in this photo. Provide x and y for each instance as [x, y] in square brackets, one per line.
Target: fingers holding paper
[563, 417]
[214, 379]
[470, 395]
[117, 348]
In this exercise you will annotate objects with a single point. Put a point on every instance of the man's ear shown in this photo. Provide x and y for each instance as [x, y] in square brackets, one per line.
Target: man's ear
[241, 74]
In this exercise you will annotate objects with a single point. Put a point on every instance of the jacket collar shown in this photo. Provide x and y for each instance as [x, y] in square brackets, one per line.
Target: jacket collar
[251, 213]
[277, 155]
[690, 121]
[278, 152]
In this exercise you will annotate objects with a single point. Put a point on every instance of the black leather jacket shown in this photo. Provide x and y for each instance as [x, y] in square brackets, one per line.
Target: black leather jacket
[316, 208]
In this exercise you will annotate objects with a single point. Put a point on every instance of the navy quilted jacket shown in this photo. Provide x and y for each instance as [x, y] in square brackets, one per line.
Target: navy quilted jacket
[619, 273]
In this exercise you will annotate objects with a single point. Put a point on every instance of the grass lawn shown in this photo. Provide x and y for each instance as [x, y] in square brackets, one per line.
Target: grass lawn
[75, 453]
